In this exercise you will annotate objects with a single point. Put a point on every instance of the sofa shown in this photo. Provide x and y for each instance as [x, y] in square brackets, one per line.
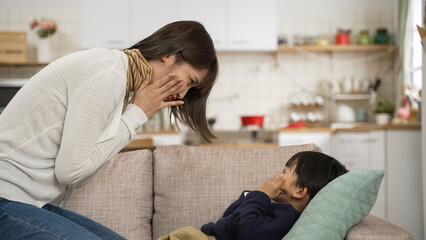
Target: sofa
[143, 194]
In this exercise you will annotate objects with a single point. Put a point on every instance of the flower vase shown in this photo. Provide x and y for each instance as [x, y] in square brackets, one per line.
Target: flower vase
[43, 50]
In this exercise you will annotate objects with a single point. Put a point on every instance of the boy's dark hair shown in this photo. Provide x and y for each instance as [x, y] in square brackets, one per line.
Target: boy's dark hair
[315, 170]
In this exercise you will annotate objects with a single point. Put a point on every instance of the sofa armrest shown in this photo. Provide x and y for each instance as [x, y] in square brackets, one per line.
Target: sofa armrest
[372, 227]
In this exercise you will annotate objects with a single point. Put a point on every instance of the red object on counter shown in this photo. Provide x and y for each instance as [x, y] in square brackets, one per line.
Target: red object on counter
[252, 120]
[404, 111]
[298, 124]
[343, 38]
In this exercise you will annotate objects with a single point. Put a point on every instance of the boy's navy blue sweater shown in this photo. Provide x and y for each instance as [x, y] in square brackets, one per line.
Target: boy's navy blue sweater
[253, 217]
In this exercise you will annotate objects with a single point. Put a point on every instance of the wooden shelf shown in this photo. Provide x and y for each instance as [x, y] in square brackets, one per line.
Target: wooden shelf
[362, 96]
[307, 107]
[337, 48]
[25, 64]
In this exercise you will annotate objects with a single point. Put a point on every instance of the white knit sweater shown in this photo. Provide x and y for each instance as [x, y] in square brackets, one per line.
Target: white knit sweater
[59, 129]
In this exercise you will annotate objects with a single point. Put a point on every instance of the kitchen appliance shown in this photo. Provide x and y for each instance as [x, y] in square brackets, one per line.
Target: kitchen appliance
[8, 89]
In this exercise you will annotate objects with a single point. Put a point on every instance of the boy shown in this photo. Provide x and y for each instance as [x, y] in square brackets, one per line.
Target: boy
[253, 216]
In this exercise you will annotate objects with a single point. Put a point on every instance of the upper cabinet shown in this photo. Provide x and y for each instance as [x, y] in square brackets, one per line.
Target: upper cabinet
[232, 24]
[252, 25]
[104, 23]
[146, 17]
[212, 14]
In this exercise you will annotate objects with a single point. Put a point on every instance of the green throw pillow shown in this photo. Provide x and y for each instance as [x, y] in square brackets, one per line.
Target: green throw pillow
[338, 206]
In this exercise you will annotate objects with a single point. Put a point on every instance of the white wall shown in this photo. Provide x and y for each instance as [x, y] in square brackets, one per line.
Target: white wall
[250, 82]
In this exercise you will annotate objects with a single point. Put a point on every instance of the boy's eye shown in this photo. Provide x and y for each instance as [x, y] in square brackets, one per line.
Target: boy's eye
[284, 170]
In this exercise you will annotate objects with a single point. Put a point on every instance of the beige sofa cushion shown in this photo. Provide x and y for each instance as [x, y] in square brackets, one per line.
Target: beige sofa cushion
[120, 195]
[375, 228]
[194, 185]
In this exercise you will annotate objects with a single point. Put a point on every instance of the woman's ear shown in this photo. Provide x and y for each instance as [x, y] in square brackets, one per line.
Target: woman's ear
[301, 193]
[170, 59]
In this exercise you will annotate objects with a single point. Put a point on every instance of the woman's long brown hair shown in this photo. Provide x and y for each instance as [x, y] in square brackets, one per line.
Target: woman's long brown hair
[193, 45]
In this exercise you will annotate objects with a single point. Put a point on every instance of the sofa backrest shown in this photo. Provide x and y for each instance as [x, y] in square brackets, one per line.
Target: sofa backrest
[120, 195]
[194, 185]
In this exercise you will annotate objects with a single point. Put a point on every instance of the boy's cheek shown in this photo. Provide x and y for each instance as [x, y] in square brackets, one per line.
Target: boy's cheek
[280, 199]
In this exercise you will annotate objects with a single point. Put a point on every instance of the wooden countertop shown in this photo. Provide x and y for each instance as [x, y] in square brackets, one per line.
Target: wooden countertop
[360, 128]
[159, 132]
[307, 129]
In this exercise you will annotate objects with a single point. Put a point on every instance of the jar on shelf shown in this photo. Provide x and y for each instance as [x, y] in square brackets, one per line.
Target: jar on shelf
[382, 36]
[343, 37]
[364, 38]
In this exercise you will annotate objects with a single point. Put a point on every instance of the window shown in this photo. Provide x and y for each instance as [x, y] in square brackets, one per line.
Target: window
[416, 53]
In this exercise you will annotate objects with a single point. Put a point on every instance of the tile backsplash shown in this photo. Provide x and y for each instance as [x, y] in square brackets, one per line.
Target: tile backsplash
[250, 83]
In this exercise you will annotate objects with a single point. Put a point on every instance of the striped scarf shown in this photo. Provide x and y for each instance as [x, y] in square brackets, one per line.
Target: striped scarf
[136, 72]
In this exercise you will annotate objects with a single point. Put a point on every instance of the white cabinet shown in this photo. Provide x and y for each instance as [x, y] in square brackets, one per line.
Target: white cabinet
[148, 16]
[104, 23]
[358, 150]
[404, 178]
[377, 160]
[252, 25]
[232, 24]
[398, 152]
[214, 18]
[321, 139]
[235, 24]
[353, 149]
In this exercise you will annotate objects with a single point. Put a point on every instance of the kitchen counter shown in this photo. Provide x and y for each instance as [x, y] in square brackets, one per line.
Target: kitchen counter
[244, 138]
[152, 139]
[357, 128]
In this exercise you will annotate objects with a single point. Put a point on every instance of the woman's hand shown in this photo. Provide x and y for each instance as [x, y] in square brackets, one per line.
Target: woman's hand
[151, 97]
[271, 186]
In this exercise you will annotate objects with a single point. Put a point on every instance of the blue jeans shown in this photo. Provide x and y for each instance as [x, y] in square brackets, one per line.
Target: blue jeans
[25, 221]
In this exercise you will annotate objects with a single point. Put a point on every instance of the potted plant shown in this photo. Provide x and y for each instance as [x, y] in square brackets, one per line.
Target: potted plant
[383, 110]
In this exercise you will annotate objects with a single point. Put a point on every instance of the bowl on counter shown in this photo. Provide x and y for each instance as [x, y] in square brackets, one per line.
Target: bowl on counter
[255, 120]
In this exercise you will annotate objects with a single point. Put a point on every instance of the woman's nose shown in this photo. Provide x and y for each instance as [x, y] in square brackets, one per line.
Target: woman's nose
[183, 92]
[184, 89]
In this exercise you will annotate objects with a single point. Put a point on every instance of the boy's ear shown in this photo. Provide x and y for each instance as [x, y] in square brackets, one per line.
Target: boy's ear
[301, 193]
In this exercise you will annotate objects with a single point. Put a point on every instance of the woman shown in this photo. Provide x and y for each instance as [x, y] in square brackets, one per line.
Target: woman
[80, 110]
